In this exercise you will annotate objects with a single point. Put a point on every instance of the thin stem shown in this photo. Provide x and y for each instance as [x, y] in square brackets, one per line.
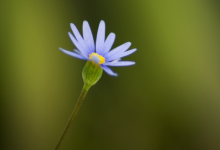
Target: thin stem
[75, 110]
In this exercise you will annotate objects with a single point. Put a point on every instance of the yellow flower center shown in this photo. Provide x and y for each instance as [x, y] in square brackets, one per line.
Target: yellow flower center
[98, 59]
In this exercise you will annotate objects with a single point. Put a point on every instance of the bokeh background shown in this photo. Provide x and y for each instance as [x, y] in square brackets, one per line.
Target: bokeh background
[170, 100]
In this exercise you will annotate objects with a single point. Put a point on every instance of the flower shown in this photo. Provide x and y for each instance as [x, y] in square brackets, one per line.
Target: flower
[100, 53]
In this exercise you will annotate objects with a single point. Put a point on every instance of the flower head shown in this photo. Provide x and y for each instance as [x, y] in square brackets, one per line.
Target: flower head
[99, 53]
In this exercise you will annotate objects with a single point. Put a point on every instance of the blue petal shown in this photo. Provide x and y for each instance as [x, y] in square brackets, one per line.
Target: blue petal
[73, 54]
[88, 37]
[120, 55]
[120, 63]
[79, 46]
[118, 50]
[100, 37]
[95, 59]
[78, 52]
[109, 71]
[108, 44]
[78, 37]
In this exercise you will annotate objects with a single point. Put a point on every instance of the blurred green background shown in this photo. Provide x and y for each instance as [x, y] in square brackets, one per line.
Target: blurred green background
[170, 100]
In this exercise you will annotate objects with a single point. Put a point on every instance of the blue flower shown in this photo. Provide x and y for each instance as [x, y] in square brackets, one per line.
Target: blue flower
[100, 53]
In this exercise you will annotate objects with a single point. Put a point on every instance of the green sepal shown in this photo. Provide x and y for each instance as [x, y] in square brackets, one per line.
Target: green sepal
[92, 72]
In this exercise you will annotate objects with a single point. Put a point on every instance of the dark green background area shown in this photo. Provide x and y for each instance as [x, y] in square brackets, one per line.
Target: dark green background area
[169, 100]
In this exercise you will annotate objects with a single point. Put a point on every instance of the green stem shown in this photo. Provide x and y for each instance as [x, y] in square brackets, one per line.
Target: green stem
[75, 110]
